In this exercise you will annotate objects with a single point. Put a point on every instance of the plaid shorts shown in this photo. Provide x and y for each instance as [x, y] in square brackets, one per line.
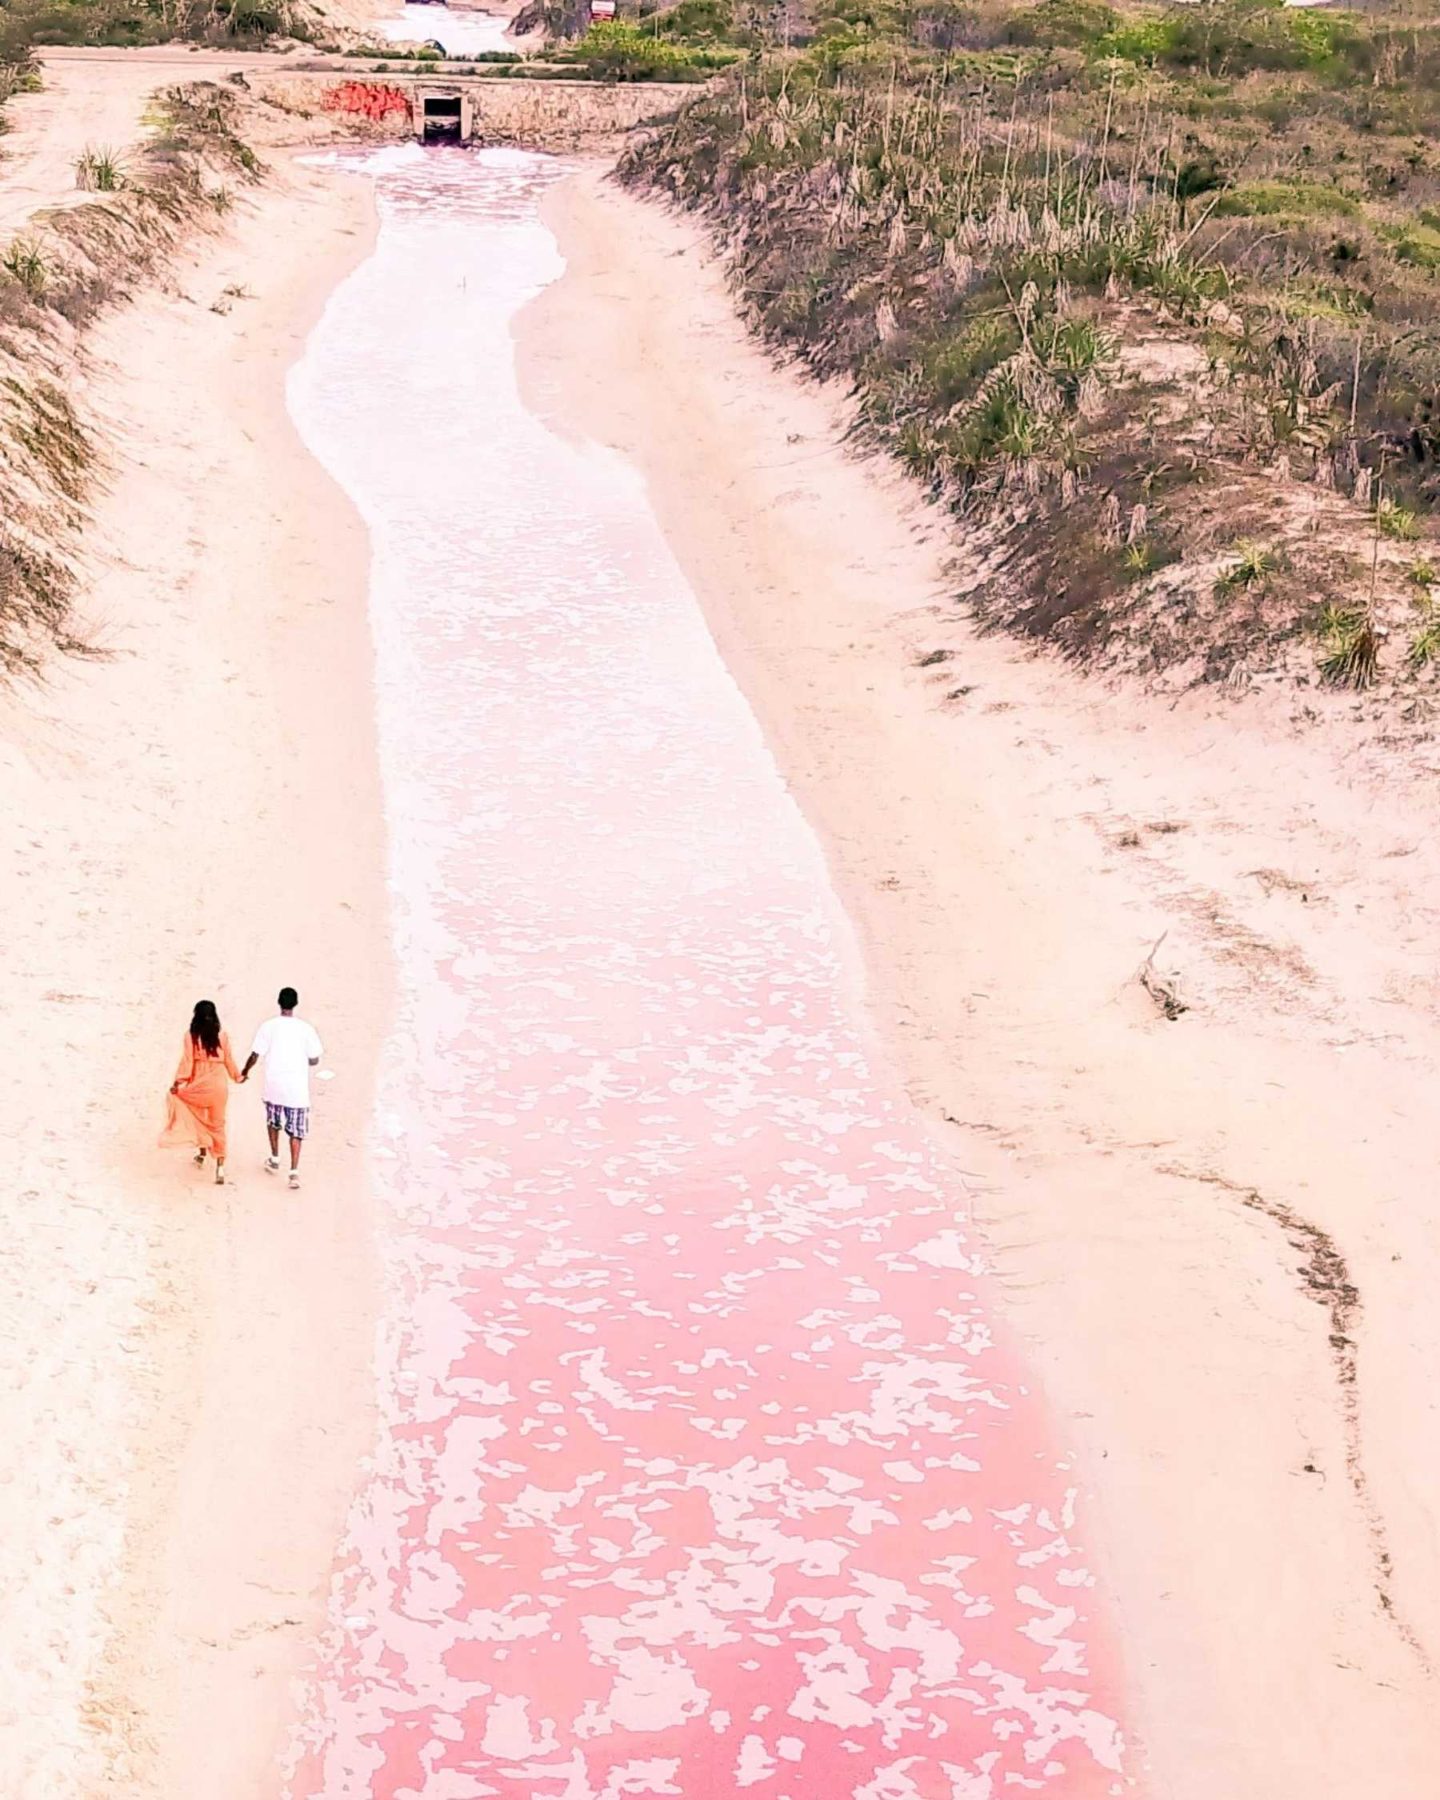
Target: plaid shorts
[294, 1121]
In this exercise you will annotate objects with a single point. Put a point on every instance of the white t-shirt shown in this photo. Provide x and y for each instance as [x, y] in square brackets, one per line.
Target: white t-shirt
[285, 1045]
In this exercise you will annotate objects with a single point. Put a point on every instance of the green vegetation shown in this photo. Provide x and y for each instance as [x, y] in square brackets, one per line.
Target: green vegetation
[25, 24]
[1395, 521]
[1424, 651]
[1085, 264]
[1297, 200]
[621, 51]
[430, 53]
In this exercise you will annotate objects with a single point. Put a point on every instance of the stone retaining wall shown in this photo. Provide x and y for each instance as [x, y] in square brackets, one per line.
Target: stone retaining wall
[536, 115]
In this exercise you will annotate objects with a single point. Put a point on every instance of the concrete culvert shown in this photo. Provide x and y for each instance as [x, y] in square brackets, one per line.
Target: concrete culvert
[442, 119]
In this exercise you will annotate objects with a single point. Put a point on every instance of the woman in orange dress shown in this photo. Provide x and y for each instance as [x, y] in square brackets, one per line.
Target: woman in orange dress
[201, 1090]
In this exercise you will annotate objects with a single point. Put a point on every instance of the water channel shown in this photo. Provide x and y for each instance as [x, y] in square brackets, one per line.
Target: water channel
[700, 1470]
[462, 32]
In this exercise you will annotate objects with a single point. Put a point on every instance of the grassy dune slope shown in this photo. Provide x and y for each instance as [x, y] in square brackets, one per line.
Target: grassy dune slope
[28, 23]
[54, 279]
[1148, 297]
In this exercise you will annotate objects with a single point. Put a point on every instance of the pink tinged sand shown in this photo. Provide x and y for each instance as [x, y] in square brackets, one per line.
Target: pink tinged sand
[701, 1470]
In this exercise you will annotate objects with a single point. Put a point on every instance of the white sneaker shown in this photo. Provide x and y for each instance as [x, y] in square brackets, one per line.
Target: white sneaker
[272, 1165]
[294, 1179]
[219, 1174]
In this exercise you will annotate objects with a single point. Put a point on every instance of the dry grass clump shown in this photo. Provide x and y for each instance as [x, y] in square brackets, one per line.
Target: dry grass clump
[974, 212]
[54, 279]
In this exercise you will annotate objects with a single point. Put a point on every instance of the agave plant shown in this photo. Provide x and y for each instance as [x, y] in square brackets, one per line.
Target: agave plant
[1350, 647]
[1253, 566]
[26, 262]
[1424, 648]
[99, 171]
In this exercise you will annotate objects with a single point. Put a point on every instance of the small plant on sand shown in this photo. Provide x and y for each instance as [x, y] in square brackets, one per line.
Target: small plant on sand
[1424, 651]
[1140, 559]
[1349, 646]
[1422, 573]
[26, 263]
[99, 172]
[1395, 521]
[1252, 568]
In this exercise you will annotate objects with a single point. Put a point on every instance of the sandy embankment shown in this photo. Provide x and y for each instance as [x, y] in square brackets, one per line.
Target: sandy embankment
[186, 1368]
[1166, 1200]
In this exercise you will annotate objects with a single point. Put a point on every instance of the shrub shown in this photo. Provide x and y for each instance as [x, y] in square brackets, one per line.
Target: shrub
[691, 22]
[1350, 647]
[619, 51]
[1076, 352]
[1418, 245]
[1077, 24]
[1395, 521]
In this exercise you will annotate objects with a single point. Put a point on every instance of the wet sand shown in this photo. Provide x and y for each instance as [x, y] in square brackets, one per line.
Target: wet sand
[186, 1367]
[1183, 1212]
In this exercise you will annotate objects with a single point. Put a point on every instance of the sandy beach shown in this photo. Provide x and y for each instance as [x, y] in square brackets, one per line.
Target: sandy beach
[1212, 1228]
[186, 1378]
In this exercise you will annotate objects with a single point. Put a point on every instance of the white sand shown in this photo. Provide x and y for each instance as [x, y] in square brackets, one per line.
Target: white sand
[1011, 852]
[184, 1387]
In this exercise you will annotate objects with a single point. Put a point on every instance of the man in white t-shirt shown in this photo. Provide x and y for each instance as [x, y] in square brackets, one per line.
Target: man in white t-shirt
[291, 1049]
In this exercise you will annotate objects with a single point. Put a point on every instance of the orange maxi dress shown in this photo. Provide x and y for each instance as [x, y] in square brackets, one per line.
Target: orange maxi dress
[195, 1117]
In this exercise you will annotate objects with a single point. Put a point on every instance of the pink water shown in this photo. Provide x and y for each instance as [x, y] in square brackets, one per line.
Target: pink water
[700, 1472]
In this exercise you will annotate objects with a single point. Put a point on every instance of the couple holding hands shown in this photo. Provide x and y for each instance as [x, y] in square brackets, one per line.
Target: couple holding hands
[288, 1046]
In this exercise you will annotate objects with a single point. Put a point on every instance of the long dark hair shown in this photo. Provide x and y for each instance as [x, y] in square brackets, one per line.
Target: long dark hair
[205, 1027]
